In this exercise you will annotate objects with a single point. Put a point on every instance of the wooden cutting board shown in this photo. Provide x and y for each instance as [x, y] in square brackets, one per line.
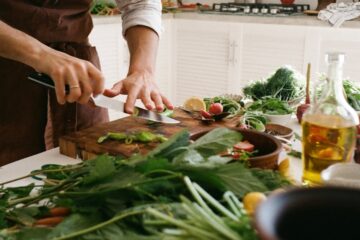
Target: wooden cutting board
[83, 144]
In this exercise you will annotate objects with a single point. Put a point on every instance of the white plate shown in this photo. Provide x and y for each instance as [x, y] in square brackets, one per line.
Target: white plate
[342, 174]
[279, 119]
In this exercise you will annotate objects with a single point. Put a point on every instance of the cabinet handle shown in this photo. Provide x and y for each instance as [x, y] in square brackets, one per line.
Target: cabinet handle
[231, 54]
[235, 45]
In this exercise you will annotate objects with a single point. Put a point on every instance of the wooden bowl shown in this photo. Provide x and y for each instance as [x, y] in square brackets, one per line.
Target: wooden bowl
[279, 130]
[310, 213]
[268, 146]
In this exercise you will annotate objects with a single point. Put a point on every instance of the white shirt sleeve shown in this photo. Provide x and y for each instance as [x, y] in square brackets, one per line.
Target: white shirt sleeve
[141, 12]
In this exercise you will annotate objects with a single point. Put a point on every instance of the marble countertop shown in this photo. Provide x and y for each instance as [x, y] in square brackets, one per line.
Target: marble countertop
[298, 20]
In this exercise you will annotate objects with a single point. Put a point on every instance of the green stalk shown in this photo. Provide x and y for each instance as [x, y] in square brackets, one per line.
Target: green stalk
[39, 172]
[234, 203]
[24, 200]
[196, 195]
[100, 225]
[201, 234]
[220, 227]
[214, 202]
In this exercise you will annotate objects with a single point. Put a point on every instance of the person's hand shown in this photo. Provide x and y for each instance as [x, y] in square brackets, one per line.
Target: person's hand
[83, 78]
[140, 85]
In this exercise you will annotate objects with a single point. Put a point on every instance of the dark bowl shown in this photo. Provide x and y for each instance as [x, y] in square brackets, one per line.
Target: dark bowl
[268, 146]
[279, 130]
[313, 213]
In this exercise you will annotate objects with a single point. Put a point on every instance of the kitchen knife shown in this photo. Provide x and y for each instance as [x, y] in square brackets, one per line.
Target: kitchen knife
[106, 102]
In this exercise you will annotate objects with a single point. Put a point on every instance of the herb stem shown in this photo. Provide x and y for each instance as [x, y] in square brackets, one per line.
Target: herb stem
[37, 172]
[201, 234]
[100, 225]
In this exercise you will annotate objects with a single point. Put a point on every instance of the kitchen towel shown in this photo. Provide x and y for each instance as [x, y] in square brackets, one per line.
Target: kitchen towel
[337, 13]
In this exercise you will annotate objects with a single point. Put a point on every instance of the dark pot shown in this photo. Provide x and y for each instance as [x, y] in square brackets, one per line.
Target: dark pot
[315, 213]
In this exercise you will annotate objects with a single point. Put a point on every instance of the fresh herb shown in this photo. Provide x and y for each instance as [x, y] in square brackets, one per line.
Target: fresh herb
[206, 218]
[209, 145]
[294, 153]
[113, 198]
[285, 84]
[143, 137]
[103, 7]
[253, 120]
[352, 94]
[229, 105]
[272, 106]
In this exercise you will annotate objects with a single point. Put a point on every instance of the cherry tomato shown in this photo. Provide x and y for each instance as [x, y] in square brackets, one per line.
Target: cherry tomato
[244, 145]
[205, 114]
[216, 108]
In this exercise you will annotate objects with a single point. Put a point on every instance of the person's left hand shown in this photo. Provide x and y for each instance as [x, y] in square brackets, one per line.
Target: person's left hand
[140, 85]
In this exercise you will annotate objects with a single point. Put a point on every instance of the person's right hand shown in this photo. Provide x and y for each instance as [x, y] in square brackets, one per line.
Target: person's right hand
[83, 78]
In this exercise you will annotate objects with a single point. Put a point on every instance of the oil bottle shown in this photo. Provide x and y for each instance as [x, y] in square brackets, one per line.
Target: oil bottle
[328, 126]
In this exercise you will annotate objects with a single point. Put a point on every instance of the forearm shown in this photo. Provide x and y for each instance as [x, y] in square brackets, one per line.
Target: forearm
[84, 79]
[143, 44]
[19, 46]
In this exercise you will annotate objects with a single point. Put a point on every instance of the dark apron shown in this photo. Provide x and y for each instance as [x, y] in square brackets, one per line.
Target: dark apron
[31, 120]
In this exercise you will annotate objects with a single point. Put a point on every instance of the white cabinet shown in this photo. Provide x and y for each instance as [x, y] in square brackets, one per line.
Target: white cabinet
[341, 40]
[267, 47]
[203, 59]
[107, 38]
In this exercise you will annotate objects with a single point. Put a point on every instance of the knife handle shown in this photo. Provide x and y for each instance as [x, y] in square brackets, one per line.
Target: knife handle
[45, 80]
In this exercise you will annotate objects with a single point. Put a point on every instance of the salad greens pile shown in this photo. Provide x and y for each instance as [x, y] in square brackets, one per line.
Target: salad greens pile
[104, 7]
[285, 84]
[229, 105]
[352, 94]
[253, 120]
[272, 106]
[176, 191]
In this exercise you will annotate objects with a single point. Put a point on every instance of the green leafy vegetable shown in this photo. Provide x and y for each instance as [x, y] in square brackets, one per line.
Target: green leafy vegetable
[352, 94]
[272, 106]
[113, 198]
[285, 84]
[229, 105]
[253, 120]
[100, 168]
[212, 143]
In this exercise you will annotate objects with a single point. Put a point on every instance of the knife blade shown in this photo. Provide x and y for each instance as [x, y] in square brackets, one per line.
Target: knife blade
[106, 102]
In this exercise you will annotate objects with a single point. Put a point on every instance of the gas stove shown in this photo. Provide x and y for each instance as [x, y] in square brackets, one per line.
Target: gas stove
[258, 9]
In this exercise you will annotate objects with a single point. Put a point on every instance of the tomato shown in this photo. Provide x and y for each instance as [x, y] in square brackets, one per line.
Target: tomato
[244, 145]
[216, 108]
[205, 114]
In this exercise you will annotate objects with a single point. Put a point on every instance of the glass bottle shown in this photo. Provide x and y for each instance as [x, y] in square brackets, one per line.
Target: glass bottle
[328, 126]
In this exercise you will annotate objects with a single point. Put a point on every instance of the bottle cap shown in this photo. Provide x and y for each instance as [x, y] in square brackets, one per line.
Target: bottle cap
[335, 57]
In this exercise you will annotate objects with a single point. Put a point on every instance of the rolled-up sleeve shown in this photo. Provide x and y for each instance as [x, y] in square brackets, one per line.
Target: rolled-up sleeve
[141, 12]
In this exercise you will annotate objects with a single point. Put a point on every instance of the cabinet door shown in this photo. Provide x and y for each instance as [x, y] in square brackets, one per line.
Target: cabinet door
[341, 40]
[267, 47]
[165, 59]
[109, 43]
[202, 59]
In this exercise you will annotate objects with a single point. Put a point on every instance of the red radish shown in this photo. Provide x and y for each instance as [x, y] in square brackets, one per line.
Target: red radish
[243, 126]
[205, 114]
[216, 108]
[244, 145]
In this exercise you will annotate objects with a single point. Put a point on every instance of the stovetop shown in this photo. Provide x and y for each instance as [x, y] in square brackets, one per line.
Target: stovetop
[257, 9]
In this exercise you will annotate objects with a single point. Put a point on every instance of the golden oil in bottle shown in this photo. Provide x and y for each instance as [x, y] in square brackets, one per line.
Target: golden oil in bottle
[324, 145]
[328, 126]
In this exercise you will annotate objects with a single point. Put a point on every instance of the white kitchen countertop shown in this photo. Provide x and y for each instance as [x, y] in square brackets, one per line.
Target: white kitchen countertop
[25, 166]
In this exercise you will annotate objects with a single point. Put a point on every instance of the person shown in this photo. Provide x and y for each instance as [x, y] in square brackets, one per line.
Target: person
[51, 37]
